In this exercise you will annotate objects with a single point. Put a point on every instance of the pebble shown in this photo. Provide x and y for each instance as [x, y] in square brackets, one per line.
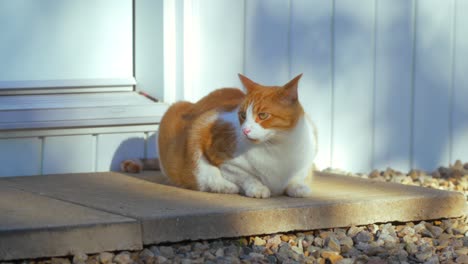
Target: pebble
[425, 254]
[167, 252]
[439, 241]
[435, 230]
[160, 259]
[273, 242]
[155, 250]
[346, 244]
[331, 256]
[333, 244]
[363, 236]
[123, 258]
[219, 253]
[79, 258]
[92, 260]
[354, 230]
[232, 251]
[318, 241]
[105, 257]
[259, 242]
[346, 261]
[256, 255]
[146, 253]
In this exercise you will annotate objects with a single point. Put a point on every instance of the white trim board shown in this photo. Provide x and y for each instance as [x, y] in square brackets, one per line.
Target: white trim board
[78, 110]
[78, 131]
[65, 90]
[19, 87]
[70, 83]
[81, 100]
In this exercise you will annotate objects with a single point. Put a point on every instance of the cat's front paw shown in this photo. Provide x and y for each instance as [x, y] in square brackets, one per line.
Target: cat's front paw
[131, 166]
[221, 186]
[229, 187]
[298, 190]
[258, 191]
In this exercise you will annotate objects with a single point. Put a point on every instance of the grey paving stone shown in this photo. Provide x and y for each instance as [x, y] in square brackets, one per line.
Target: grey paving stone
[170, 214]
[34, 226]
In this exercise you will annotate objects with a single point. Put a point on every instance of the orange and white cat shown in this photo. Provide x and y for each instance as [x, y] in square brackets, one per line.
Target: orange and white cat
[260, 143]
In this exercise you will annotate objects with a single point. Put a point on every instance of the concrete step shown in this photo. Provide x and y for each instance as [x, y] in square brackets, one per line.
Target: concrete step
[33, 226]
[170, 214]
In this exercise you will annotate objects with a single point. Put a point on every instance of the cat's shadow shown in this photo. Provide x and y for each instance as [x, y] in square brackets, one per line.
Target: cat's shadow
[134, 148]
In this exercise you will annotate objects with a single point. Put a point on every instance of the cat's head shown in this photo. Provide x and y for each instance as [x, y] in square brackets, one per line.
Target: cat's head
[269, 111]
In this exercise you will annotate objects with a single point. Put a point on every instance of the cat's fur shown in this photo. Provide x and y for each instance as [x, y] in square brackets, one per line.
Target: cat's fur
[260, 143]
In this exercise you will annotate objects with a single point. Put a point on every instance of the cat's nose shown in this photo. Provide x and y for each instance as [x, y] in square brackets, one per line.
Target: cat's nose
[246, 131]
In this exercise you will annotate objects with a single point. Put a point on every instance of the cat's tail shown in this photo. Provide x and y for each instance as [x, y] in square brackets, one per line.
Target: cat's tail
[138, 165]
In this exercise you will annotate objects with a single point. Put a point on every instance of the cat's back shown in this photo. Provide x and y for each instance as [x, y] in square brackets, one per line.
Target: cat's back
[183, 115]
[181, 131]
[222, 100]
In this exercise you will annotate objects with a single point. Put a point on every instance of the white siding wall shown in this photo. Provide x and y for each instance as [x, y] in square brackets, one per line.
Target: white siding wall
[385, 81]
[353, 83]
[393, 84]
[77, 152]
[20, 156]
[458, 105]
[311, 53]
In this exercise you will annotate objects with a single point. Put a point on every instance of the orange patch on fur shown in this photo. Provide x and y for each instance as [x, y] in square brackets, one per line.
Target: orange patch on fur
[220, 142]
[185, 130]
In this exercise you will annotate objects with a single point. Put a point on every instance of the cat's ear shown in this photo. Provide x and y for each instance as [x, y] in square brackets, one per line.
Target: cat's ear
[289, 91]
[248, 84]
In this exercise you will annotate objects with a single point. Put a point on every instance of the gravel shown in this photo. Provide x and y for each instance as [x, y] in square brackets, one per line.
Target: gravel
[438, 241]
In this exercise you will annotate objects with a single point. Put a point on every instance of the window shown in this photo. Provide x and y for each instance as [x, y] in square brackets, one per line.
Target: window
[73, 63]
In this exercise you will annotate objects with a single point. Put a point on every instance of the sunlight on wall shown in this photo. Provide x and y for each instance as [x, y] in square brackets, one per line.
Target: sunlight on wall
[315, 97]
[170, 51]
[460, 138]
[191, 48]
[218, 45]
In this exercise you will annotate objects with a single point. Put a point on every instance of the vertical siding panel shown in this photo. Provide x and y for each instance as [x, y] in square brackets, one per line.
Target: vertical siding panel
[267, 41]
[173, 50]
[460, 93]
[68, 154]
[432, 83]
[353, 85]
[393, 73]
[219, 49]
[114, 148]
[311, 49]
[94, 152]
[20, 157]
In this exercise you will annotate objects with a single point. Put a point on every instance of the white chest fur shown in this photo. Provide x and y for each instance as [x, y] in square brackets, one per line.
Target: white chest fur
[273, 163]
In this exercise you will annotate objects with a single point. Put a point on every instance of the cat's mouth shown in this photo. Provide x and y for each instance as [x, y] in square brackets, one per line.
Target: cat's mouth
[253, 140]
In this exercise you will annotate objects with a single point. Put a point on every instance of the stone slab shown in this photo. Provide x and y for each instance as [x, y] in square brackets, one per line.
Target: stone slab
[34, 226]
[170, 214]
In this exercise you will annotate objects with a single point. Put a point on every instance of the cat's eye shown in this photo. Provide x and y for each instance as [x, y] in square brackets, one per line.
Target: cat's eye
[242, 115]
[263, 116]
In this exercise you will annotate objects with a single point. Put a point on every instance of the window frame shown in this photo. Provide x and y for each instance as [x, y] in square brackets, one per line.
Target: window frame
[135, 111]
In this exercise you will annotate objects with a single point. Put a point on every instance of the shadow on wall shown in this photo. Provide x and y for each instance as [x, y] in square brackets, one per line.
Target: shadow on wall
[405, 112]
[135, 148]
